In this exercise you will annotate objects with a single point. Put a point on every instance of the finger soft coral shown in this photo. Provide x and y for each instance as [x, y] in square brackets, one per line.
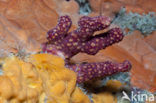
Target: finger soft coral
[67, 44]
[93, 70]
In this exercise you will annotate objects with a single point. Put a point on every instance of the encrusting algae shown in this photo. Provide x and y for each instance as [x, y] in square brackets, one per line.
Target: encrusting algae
[41, 78]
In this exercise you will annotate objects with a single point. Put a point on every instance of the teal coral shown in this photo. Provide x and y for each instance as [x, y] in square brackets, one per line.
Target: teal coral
[145, 23]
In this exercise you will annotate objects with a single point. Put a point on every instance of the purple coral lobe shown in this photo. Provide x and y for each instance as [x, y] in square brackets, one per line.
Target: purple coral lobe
[91, 71]
[94, 45]
[94, 23]
[60, 30]
[88, 25]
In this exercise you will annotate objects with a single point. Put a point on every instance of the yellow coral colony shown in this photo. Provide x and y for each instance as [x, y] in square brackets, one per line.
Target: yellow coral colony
[41, 78]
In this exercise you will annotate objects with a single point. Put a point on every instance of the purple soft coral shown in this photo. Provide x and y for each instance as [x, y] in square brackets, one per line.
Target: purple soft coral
[66, 45]
[81, 39]
[60, 30]
[91, 71]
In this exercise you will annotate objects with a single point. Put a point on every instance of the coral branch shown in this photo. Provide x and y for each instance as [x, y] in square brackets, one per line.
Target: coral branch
[61, 29]
[89, 71]
[100, 42]
[88, 25]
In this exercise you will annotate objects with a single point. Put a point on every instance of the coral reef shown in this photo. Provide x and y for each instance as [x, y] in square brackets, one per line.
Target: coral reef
[23, 25]
[66, 45]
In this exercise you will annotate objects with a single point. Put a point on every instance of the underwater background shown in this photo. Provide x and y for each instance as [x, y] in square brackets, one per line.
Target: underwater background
[23, 31]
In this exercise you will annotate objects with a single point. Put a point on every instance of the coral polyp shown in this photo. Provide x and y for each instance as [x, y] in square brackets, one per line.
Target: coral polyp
[67, 44]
